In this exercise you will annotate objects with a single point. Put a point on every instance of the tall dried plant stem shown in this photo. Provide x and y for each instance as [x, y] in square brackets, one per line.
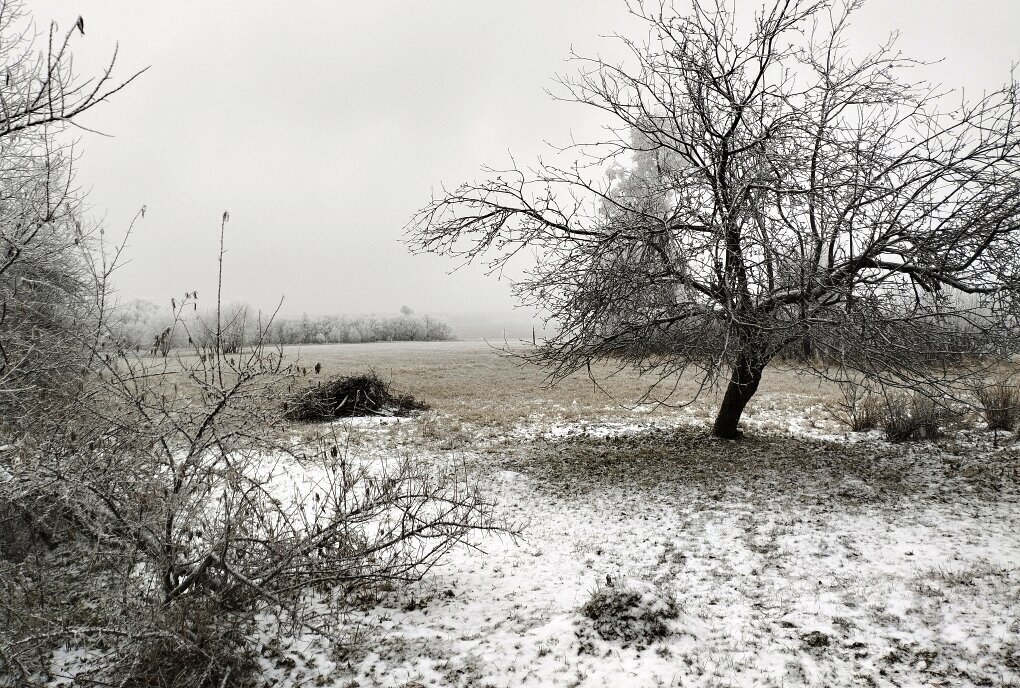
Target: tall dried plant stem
[219, 301]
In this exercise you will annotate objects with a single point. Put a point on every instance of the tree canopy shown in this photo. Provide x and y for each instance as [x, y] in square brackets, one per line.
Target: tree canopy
[768, 188]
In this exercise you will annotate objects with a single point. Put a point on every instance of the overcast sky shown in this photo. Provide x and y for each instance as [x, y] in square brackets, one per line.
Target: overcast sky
[323, 125]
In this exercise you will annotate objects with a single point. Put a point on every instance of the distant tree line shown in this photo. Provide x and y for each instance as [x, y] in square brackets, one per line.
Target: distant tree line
[143, 324]
[406, 326]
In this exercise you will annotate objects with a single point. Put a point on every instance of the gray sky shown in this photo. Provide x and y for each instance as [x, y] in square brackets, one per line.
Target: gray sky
[323, 125]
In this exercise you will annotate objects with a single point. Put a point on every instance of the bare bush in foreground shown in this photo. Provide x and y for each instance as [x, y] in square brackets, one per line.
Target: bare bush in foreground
[156, 513]
[169, 509]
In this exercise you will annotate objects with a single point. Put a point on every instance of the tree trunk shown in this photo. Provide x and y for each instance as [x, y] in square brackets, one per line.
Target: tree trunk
[743, 384]
[807, 348]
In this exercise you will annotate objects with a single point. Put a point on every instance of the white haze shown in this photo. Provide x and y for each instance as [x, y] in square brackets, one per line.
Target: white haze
[321, 126]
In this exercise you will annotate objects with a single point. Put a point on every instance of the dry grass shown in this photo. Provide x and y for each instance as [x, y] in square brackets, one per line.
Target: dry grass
[860, 409]
[478, 384]
[476, 390]
[1000, 404]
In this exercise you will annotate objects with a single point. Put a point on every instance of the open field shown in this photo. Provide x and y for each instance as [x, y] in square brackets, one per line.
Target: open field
[479, 384]
[800, 556]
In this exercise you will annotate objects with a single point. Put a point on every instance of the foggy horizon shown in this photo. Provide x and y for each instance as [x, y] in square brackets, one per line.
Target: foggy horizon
[321, 129]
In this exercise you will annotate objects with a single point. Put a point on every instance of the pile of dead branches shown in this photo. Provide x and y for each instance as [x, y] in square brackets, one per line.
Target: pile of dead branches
[344, 397]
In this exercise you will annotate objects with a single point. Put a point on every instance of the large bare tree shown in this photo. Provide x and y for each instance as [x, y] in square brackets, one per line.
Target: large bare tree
[768, 188]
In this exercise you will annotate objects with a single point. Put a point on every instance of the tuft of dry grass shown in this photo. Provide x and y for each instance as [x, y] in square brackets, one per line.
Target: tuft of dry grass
[1000, 404]
[860, 409]
[914, 416]
[629, 615]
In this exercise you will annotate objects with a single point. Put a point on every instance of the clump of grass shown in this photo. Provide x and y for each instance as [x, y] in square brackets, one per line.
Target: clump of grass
[1000, 404]
[630, 615]
[355, 395]
[898, 423]
[929, 416]
[913, 416]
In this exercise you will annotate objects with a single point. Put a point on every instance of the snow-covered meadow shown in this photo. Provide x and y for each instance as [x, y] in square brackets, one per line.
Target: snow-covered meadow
[800, 556]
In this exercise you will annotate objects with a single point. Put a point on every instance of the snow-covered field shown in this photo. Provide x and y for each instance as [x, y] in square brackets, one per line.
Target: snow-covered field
[796, 557]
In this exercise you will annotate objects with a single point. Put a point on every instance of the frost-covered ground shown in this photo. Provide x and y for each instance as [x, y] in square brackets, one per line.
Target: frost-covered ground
[798, 558]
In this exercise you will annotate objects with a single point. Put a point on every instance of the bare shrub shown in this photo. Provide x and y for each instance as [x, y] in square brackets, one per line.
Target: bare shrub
[194, 512]
[158, 506]
[930, 416]
[898, 423]
[860, 408]
[1000, 404]
[180, 508]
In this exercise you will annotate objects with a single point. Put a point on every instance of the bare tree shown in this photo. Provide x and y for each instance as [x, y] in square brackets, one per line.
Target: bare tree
[50, 297]
[768, 188]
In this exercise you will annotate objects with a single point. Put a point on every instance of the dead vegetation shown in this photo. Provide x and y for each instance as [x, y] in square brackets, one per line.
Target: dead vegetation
[184, 522]
[914, 416]
[902, 415]
[858, 407]
[629, 615]
[1000, 404]
[348, 396]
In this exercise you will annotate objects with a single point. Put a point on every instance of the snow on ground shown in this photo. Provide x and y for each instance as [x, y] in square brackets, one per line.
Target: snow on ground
[793, 561]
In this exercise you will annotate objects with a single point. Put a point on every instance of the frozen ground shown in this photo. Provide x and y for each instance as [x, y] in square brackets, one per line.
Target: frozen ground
[802, 558]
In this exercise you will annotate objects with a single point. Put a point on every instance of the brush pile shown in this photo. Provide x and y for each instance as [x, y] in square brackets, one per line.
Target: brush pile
[344, 397]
